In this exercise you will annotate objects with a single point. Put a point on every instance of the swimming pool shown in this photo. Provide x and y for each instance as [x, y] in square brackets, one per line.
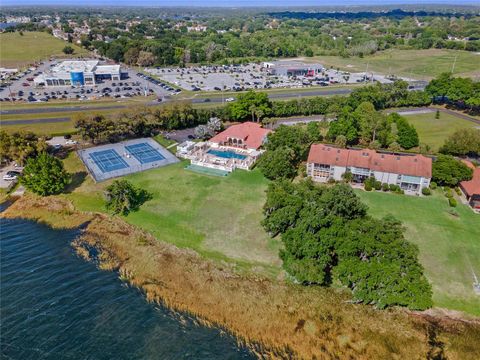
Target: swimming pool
[226, 154]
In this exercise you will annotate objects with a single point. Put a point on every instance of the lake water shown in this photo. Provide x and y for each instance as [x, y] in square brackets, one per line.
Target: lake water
[55, 305]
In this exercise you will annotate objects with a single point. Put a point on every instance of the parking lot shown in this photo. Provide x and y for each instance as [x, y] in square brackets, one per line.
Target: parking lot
[20, 88]
[253, 76]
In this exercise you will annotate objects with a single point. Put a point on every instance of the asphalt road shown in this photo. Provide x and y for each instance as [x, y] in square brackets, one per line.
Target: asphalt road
[76, 108]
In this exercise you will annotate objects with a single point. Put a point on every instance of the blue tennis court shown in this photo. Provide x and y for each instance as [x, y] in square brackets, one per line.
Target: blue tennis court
[144, 153]
[108, 160]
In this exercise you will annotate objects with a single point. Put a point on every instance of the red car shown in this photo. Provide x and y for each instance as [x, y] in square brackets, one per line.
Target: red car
[30, 79]
[25, 84]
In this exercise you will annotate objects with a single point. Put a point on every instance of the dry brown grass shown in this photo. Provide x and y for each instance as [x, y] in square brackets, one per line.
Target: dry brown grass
[283, 320]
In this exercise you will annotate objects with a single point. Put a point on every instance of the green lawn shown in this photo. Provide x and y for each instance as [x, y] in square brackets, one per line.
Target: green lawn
[20, 50]
[433, 131]
[421, 64]
[449, 246]
[217, 216]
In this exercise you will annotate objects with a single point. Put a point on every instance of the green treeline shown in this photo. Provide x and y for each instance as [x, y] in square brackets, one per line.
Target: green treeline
[150, 38]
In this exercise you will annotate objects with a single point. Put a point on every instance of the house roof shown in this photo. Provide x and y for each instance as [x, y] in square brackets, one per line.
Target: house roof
[252, 134]
[472, 187]
[405, 164]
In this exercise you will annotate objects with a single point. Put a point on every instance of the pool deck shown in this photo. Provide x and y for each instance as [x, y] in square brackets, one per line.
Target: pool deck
[134, 165]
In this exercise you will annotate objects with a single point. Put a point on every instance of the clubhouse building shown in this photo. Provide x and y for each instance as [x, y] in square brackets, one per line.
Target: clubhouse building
[236, 147]
[471, 188]
[78, 73]
[412, 172]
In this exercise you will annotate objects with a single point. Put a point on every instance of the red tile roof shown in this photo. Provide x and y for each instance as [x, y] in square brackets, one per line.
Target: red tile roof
[251, 134]
[414, 165]
[472, 187]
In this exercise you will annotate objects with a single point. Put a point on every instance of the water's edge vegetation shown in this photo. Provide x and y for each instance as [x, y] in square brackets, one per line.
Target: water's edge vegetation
[275, 318]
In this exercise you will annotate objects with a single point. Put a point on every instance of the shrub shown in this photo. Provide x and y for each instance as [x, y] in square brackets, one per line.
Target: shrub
[347, 176]
[433, 185]
[452, 202]
[378, 185]
[394, 187]
[448, 193]
[331, 181]
[426, 191]
[368, 186]
[458, 191]
[385, 187]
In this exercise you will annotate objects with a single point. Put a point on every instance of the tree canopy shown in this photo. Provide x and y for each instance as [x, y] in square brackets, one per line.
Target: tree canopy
[122, 197]
[328, 235]
[462, 142]
[446, 170]
[19, 146]
[252, 104]
[44, 175]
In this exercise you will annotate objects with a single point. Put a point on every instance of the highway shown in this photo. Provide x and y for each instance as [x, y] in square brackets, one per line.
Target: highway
[79, 108]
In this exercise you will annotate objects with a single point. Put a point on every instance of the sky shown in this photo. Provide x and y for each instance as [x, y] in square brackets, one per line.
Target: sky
[231, 3]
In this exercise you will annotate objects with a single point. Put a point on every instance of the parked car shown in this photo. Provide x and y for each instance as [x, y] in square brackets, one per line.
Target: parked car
[11, 175]
[229, 99]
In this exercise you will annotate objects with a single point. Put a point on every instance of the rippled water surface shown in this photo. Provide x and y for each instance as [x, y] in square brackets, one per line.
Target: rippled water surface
[54, 305]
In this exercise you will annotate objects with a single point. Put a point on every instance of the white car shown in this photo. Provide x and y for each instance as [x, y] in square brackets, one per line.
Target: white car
[229, 99]
[11, 175]
[71, 142]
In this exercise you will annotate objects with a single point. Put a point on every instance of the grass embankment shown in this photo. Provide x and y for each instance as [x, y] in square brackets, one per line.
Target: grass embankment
[286, 319]
[449, 245]
[418, 64]
[18, 50]
[434, 132]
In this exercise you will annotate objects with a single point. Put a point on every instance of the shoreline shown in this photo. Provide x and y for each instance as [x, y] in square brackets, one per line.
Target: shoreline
[275, 319]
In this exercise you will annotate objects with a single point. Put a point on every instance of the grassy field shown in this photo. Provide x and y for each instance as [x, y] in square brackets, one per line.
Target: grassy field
[42, 129]
[433, 131]
[419, 64]
[20, 50]
[48, 128]
[218, 217]
[449, 246]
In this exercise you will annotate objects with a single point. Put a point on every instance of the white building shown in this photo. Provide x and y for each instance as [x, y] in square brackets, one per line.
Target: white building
[412, 172]
[78, 72]
[292, 68]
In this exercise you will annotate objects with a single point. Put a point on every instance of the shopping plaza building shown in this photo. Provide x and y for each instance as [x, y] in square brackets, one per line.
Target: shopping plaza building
[292, 68]
[78, 73]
